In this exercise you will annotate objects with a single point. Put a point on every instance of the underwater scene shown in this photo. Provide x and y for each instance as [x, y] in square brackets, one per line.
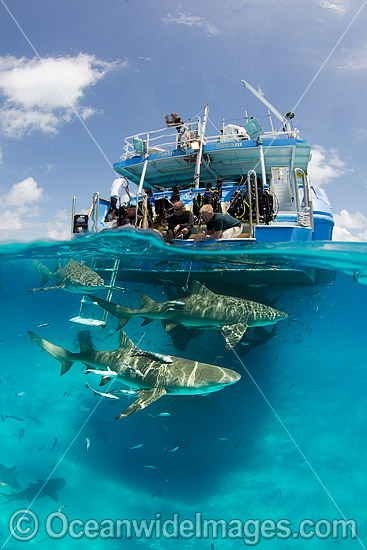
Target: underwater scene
[155, 395]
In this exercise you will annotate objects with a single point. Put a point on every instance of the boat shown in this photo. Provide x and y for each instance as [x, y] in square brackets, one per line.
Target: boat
[258, 176]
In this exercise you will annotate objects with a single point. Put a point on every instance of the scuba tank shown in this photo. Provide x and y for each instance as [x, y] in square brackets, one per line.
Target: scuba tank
[175, 194]
[217, 197]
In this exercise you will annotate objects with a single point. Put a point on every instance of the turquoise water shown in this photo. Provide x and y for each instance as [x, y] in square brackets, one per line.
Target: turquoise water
[285, 442]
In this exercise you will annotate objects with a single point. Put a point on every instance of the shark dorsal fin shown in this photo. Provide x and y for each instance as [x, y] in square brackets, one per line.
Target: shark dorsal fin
[85, 342]
[146, 301]
[125, 342]
[200, 289]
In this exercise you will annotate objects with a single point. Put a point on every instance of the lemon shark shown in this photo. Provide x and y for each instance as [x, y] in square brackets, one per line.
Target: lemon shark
[151, 374]
[38, 490]
[202, 309]
[73, 277]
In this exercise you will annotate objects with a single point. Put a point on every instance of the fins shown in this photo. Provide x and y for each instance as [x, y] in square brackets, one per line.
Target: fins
[170, 326]
[233, 334]
[146, 301]
[45, 273]
[126, 343]
[146, 321]
[122, 313]
[200, 289]
[145, 398]
[85, 342]
[122, 322]
[66, 358]
[105, 380]
[47, 288]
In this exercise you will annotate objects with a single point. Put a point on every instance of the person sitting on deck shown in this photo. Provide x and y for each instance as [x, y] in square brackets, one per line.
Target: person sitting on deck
[180, 223]
[218, 225]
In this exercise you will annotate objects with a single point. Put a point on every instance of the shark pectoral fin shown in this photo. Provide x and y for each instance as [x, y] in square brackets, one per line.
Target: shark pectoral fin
[105, 380]
[145, 398]
[47, 288]
[146, 321]
[170, 326]
[65, 366]
[233, 334]
[122, 322]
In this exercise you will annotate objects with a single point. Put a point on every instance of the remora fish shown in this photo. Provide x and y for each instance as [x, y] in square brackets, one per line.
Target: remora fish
[173, 376]
[202, 309]
[74, 277]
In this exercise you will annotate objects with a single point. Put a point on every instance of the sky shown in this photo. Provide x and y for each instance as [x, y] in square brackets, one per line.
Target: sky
[77, 77]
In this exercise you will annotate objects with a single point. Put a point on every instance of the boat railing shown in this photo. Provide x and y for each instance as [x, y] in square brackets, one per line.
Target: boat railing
[305, 205]
[161, 140]
[165, 140]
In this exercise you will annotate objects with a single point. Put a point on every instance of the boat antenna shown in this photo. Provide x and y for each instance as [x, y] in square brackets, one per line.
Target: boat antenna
[259, 94]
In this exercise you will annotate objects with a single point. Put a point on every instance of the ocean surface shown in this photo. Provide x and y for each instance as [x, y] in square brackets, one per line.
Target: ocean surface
[285, 443]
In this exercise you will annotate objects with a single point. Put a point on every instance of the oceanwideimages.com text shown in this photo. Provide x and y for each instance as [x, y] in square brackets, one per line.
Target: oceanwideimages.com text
[24, 525]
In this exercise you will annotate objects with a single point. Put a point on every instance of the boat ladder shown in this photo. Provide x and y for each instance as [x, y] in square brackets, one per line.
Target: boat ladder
[90, 313]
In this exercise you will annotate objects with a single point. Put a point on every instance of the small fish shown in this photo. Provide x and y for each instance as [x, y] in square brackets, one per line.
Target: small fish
[21, 394]
[59, 511]
[164, 414]
[109, 395]
[83, 408]
[172, 450]
[54, 445]
[2, 484]
[21, 434]
[107, 372]
[45, 325]
[87, 444]
[223, 438]
[151, 467]
[43, 446]
[137, 446]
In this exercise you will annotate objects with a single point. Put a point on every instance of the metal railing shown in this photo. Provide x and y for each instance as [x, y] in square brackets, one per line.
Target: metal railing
[304, 213]
[164, 140]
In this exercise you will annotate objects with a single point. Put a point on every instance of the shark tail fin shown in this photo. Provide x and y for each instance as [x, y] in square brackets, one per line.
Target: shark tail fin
[66, 358]
[122, 322]
[121, 312]
[146, 301]
[45, 273]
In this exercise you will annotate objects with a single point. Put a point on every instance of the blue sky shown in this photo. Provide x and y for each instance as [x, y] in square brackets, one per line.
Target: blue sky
[119, 66]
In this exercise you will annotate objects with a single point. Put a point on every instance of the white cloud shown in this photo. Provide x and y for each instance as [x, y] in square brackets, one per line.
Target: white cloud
[19, 204]
[341, 7]
[191, 21]
[1, 156]
[60, 230]
[41, 95]
[354, 59]
[350, 227]
[325, 166]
